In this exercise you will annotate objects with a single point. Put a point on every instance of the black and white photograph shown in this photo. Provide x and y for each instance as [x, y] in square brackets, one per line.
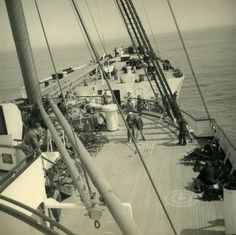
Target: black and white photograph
[118, 117]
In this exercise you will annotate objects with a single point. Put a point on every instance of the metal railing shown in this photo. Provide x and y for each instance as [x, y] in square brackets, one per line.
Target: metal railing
[195, 123]
[31, 221]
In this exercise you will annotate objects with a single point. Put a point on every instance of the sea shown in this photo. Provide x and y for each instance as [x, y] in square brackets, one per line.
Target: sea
[212, 52]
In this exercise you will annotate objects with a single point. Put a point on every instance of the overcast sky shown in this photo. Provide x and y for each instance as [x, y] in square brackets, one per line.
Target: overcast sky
[62, 27]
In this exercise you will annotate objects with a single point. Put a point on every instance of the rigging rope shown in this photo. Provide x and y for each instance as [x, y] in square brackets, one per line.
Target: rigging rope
[154, 59]
[136, 24]
[123, 118]
[100, 22]
[58, 81]
[47, 43]
[138, 53]
[95, 26]
[154, 39]
[190, 65]
[76, 6]
[86, 42]
[149, 23]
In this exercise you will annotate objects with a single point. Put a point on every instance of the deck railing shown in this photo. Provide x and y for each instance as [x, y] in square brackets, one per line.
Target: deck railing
[224, 141]
[202, 127]
[29, 220]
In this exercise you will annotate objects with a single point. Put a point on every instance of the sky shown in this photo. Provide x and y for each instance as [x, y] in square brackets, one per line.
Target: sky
[62, 27]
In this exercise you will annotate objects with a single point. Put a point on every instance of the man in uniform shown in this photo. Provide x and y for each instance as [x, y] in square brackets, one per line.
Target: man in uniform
[139, 125]
[131, 124]
[182, 131]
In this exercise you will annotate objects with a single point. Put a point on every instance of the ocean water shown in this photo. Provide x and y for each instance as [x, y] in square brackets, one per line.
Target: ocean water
[212, 52]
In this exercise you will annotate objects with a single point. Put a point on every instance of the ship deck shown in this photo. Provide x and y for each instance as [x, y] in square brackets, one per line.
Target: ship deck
[125, 173]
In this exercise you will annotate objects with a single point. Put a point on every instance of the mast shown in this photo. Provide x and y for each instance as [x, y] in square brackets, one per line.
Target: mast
[25, 55]
[23, 48]
[138, 35]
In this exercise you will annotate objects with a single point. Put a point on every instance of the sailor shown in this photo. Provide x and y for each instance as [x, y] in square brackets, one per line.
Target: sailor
[68, 96]
[101, 122]
[129, 105]
[139, 104]
[206, 176]
[105, 98]
[139, 126]
[115, 73]
[71, 88]
[131, 124]
[116, 52]
[61, 104]
[129, 95]
[182, 131]
[32, 140]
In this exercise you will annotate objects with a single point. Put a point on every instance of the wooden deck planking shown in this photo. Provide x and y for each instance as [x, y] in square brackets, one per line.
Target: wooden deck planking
[126, 175]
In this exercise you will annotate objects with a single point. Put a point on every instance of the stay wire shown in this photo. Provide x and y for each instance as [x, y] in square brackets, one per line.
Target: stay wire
[86, 42]
[48, 47]
[154, 59]
[137, 51]
[190, 64]
[96, 28]
[123, 118]
[150, 26]
[91, 43]
[100, 22]
[130, 11]
[59, 84]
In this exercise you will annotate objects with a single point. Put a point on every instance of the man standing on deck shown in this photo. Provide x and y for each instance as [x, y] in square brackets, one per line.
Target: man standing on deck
[128, 96]
[116, 50]
[131, 124]
[139, 124]
[182, 131]
[129, 106]
[139, 104]
[115, 73]
[105, 98]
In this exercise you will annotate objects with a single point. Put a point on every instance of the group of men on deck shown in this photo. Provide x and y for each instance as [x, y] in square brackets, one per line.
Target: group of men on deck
[135, 122]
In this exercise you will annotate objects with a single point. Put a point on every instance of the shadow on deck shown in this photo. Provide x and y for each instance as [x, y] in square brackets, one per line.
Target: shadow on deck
[206, 230]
